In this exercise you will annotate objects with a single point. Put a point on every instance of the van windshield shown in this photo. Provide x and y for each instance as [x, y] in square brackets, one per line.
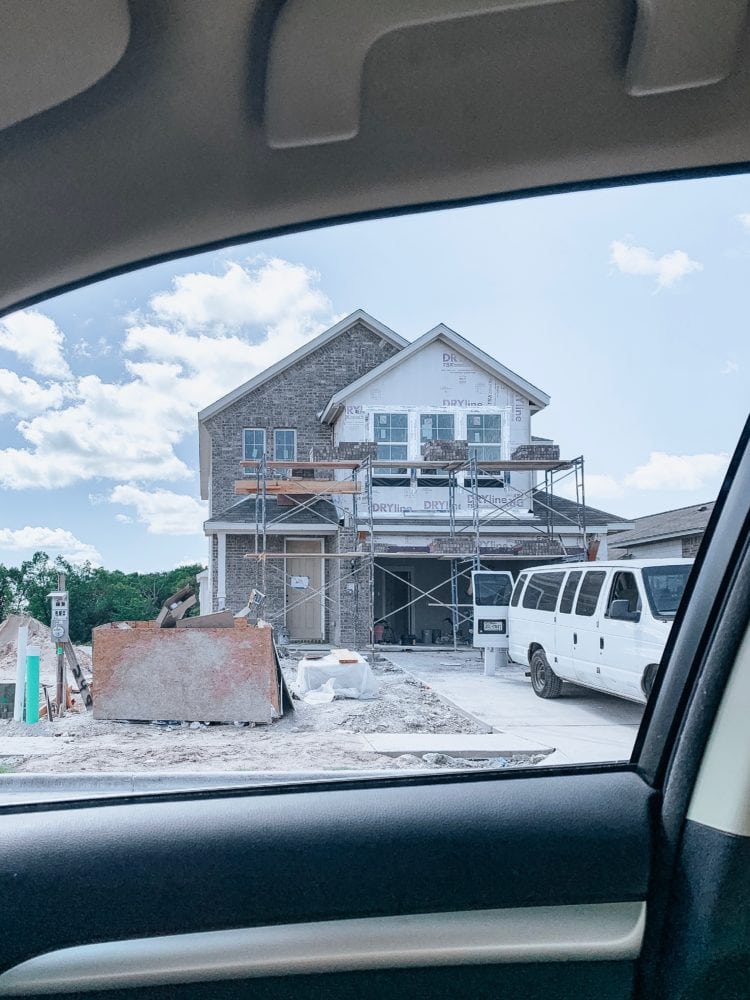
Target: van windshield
[665, 586]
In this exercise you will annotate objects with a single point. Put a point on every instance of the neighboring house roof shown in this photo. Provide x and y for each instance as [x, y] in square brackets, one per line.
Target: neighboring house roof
[359, 316]
[538, 398]
[321, 512]
[668, 524]
[565, 512]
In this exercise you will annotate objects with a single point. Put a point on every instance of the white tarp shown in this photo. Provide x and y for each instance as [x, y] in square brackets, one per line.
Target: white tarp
[324, 678]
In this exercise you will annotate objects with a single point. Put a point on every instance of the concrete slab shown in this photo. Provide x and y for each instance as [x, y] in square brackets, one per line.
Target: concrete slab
[583, 726]
[453, 745]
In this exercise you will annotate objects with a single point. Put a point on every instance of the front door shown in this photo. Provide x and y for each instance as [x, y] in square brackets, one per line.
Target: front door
[304, 589]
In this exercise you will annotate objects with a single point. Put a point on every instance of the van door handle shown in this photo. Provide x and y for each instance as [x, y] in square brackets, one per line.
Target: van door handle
[601, 642]
[575, 638]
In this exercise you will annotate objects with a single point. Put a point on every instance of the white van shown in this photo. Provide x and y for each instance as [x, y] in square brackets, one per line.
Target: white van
[602, 625]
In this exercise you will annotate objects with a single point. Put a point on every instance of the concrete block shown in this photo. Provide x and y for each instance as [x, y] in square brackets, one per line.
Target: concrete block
[205, 675]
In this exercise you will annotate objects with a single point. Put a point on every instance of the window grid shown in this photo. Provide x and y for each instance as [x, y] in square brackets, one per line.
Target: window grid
[483, 436]
[391, 431]
[253, 443]
[436, 427]
[285, 445]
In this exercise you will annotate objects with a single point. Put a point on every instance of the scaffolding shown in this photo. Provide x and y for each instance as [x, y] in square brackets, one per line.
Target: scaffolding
[537, 511]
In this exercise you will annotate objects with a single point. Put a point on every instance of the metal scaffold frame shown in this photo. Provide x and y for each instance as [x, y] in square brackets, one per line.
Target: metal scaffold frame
[462, 477]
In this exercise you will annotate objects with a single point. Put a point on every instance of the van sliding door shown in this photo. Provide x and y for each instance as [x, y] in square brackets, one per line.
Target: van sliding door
[587, 637]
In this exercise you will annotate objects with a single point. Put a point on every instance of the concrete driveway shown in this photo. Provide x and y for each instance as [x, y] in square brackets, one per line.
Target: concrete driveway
[583, 726]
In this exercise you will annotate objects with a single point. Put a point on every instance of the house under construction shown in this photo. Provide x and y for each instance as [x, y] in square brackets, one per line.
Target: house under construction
[357, 483]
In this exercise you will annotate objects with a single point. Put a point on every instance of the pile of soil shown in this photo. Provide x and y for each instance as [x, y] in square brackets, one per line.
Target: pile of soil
[39, 635]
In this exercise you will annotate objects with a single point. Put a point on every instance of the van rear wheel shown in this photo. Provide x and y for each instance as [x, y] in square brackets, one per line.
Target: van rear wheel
[544, 680]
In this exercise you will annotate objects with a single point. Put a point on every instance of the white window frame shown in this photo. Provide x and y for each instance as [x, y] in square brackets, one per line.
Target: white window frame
[498, 445]
[262, 430]
[385, 472]
[285, 430]
[436, 415]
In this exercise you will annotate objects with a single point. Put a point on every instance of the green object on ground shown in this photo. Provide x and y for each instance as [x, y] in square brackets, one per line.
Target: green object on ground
[32, 684]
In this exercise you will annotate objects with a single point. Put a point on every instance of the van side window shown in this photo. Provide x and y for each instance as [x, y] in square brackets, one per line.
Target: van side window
[588, 595]
[624, 588]
[517, 591]
[541, 593]
[569, 592]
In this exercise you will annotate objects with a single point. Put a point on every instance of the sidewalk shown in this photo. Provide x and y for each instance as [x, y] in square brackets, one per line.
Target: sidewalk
[583, 726]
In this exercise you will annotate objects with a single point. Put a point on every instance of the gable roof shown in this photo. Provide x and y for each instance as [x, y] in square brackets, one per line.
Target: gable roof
[358, 316]
[442, 332]
[667, 524]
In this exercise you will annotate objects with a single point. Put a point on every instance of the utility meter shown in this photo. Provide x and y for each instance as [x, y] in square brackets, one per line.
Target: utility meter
[60, 615]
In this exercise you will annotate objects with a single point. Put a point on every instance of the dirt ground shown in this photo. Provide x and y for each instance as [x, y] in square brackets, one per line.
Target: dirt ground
[313, 737]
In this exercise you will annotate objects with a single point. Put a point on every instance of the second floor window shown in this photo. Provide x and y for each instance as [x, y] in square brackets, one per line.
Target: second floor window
[391, 437]
[285, 446]
[436, 427]
[483, 433]
[254, 443]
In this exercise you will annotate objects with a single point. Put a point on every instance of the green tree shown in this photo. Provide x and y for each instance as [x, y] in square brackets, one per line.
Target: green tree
[97, 595]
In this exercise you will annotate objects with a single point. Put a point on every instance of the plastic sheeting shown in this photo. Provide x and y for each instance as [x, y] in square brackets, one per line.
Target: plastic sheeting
[324, 678]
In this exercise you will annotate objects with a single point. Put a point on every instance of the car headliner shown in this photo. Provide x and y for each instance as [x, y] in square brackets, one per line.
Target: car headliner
[142, 130]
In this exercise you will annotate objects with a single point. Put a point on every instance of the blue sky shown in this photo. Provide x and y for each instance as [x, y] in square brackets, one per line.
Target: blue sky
[627, 306]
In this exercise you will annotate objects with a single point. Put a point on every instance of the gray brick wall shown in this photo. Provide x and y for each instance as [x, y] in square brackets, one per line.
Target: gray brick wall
[350, 604]
[690, 546]
[445, 451]
[293, 399]
[536, 453]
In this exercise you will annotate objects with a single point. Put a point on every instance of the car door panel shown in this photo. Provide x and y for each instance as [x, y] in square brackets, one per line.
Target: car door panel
[148, 868]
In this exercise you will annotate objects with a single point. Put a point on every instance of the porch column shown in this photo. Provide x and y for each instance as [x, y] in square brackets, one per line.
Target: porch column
[221, 570]
[211, 574]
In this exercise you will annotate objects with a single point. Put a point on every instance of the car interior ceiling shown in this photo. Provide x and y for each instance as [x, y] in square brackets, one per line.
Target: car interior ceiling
[164, 127]
[140, 130]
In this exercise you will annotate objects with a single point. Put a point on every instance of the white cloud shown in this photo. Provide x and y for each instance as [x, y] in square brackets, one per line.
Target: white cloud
[36, 339]
[110, 431]
[601, 487]
[729, 368]
[129, 430]
[24, 397]
[273, 292]
[163, 512]
[744, 218]
[123, 519]
[667, 269]
[54, 541]
[678, 472]
[82, 348]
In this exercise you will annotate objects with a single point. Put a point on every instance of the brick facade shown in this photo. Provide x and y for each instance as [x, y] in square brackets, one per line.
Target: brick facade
[690, 545]
[536, 453]
[445, 451]
[292, 399]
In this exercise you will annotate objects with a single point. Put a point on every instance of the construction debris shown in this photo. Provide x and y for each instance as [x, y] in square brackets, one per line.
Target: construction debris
[219, 619]
[175, 607]
[201, 674]
[338, 674]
